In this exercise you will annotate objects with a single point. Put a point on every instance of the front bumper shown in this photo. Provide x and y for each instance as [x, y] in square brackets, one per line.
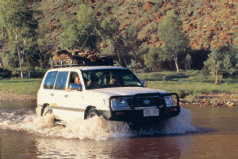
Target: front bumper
[138, 115]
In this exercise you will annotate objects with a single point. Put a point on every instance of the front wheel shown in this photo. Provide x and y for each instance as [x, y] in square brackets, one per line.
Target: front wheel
[92, 113]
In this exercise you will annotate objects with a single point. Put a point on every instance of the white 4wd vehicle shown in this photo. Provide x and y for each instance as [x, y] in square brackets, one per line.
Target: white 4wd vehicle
[112, 92]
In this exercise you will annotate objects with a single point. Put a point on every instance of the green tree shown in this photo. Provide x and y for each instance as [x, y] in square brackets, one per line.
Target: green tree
[79, 33]
[131, 39]
[176, 42]
[109, 30]
[214, 64]
[20, 25]
[220, 60]
[235, 50]
[119, 45]
[228, 64]
[152, 59]
[132, 32]
[70, 36]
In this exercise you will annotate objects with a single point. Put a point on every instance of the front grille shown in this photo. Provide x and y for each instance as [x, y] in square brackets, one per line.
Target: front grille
[145, 100]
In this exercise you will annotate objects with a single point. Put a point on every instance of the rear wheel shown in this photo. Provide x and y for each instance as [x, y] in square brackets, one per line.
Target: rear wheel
[92, 113]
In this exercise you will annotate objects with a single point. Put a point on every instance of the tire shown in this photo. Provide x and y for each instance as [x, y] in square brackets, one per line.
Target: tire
[92, 113]
[46, 111]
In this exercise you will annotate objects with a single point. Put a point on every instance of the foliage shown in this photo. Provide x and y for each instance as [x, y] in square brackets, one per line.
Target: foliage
[134, 65]
[5, 73]
[132, 32]
[69, 37]
[152, 59]
[223, 58]
[86, 26]
[79, 33]
[125, 28]
[109, 30]
[109, 27]
[18, 21]
[176, 42]
[214, 64]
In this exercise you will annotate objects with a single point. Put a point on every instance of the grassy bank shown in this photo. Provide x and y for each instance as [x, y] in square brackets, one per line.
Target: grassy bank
[190, 84]
[17, 89]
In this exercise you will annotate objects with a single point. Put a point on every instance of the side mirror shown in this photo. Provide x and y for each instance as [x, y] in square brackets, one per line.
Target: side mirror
[144, 82]
[76, 87]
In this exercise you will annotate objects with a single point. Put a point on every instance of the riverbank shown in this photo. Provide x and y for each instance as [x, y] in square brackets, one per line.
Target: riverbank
[17, 90]
[17, 98]
[203, 100]
[192, 88]
[212, 100]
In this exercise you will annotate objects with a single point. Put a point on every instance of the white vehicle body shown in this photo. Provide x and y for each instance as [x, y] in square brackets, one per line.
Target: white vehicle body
[115, 102]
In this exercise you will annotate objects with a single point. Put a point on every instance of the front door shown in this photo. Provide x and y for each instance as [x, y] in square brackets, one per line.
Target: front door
[74, 99]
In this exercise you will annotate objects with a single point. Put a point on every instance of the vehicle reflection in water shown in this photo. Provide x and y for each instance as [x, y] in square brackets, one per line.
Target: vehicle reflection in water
[146, 147]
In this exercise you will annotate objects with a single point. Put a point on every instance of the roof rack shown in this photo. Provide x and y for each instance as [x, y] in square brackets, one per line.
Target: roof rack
[103, 61]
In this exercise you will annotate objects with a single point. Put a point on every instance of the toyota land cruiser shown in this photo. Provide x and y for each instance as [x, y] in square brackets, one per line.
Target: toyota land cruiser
[112, 92]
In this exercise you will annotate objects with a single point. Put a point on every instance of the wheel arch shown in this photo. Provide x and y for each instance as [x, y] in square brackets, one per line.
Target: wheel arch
[87, 110]
[43, 108]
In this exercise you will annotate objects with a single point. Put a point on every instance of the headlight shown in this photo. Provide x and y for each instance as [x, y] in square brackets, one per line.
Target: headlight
[119, 103]
[169, 101]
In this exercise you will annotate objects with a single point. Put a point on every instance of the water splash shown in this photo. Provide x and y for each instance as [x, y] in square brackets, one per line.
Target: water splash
[96, 128]
[180, 124]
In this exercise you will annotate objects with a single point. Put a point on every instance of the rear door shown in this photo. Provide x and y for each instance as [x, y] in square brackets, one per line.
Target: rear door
[59, 95]
[45, 94]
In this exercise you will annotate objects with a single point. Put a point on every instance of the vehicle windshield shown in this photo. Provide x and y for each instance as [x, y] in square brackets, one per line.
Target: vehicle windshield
[105, 78]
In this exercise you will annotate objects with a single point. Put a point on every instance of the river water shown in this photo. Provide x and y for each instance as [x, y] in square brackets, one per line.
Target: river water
[197, 133]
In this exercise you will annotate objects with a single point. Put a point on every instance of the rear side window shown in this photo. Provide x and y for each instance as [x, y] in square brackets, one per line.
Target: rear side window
[61, 80]
[50, 80]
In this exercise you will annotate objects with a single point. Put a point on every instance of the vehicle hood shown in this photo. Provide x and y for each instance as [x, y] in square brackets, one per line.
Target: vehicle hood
[125, 91]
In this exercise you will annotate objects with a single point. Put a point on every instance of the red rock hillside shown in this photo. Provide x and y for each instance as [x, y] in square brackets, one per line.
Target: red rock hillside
[209, 23]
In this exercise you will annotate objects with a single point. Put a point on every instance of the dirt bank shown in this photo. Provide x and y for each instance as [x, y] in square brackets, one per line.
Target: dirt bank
[213, 100]
[17, 98]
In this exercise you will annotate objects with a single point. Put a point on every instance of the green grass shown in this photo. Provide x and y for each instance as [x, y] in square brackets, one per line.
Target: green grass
[20, 87]
[192, 83]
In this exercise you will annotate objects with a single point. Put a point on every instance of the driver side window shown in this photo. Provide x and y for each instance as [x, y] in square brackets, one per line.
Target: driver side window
[74, 78]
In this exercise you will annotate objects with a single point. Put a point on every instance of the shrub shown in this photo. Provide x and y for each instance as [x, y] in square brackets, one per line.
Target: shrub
[5, 73]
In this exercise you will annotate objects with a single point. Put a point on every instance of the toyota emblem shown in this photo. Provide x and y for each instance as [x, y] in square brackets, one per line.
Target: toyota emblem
[147, 101]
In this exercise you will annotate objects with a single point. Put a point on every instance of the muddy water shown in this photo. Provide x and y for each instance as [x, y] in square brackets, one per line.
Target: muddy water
[197, 132]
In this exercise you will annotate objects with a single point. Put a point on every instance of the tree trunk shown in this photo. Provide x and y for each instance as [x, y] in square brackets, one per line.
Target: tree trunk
[2, 36]
[19, 55]
[216, 78]
[124, 61]
[1, 45]
[117, 53]
[176, 63]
